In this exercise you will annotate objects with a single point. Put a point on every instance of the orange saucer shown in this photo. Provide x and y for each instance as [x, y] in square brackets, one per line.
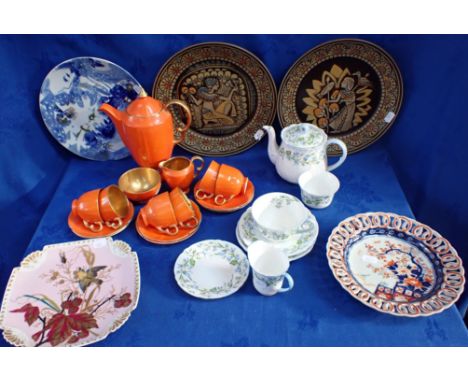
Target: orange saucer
[234, 204]
[153, 236]
[76, 225]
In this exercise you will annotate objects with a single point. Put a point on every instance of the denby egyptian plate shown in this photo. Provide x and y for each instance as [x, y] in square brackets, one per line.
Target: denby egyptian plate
[70, 294]
[395, 264]
[230, 93]
[211, 269]
[69, 100]
[352, 89]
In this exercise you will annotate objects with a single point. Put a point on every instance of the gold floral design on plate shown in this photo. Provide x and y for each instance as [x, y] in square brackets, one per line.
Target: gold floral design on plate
[350, 88]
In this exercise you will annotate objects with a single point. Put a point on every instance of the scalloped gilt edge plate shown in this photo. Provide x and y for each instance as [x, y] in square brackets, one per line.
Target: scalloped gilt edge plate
[350, 88]
[70, 294]
[230, 93]
[395, 264]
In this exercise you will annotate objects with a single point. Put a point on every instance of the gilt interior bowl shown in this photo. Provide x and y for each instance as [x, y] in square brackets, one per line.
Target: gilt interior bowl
[140, 183]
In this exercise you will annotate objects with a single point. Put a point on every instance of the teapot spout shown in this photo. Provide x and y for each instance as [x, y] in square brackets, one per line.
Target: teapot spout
[273, 149]
[116, 117]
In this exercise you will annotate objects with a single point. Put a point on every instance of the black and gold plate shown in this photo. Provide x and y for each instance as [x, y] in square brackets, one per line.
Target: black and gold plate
[230, 93]
[350, 88]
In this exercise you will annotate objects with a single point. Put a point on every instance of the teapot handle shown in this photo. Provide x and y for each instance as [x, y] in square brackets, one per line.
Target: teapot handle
[183, 130]
[340, 161]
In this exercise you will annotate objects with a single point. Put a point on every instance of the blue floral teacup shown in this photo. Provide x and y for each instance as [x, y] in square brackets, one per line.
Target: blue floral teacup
[318, 188]
[269, 268]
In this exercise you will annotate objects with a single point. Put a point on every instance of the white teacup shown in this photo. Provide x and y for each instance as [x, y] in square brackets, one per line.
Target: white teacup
[318, 188]
[269, 266]
[279, 215]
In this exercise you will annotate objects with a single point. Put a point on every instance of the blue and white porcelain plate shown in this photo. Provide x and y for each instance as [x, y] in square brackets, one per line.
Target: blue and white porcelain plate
[211, 269]
[69, 101]
[395, 264]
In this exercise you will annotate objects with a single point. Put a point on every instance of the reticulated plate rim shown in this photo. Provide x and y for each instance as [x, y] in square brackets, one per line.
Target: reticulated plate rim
[440, 248]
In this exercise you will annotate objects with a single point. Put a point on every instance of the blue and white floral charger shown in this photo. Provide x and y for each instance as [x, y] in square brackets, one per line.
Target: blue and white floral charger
[69, 101]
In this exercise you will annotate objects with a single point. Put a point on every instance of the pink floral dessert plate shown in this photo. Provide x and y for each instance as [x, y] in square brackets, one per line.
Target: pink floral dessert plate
[70, 294]
[395, 264]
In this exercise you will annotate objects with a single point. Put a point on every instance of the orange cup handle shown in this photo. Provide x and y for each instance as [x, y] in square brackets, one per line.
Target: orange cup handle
[115, 224]
[199, 168]
[94, 227]
[221, 200]
[171, 230]
[200, 194]
[190, 223]
[188, 114]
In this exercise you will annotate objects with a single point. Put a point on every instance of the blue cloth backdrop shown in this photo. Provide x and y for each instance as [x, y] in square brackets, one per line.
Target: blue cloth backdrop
[424, 151]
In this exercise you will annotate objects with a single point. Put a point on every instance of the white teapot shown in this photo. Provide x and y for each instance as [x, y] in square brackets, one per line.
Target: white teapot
[303, 147]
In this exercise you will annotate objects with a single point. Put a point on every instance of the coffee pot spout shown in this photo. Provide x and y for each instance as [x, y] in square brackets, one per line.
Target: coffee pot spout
[116, 117]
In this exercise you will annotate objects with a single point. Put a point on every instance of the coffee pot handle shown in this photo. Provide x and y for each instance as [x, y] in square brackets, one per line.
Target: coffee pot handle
[340, 161]
[188, 114]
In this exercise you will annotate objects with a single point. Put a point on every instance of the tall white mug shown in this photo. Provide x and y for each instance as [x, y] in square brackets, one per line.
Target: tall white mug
[269, 268]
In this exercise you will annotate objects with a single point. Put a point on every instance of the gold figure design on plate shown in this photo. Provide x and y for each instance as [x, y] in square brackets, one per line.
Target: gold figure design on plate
[339, 100]
[217, 100]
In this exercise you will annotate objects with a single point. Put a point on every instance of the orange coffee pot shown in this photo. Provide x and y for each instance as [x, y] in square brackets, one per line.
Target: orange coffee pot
[147, 128]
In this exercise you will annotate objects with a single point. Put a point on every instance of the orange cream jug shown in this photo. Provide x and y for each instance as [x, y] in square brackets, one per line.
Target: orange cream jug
[147, 128]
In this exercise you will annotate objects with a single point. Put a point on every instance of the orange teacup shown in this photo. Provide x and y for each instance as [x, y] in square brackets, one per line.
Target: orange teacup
[180, 171]
[206, 187]
[185, 214]
[159, 213]
[87, 208]
[229, 183]
[113, 206]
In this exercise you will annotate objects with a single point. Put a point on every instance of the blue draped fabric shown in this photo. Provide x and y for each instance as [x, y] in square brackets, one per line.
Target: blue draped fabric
[423, 152]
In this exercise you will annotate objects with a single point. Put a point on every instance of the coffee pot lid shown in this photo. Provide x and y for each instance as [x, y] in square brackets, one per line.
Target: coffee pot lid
[144, 106]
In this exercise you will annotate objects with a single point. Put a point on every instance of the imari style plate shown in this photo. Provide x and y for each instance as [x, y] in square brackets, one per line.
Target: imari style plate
[352, 89]
[69, 100]
[230, 93]
[297, 246]
[70, 294]
[395, 264]
[211, 269]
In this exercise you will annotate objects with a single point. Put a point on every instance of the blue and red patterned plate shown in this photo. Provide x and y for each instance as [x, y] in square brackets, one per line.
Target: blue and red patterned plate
[395, 264]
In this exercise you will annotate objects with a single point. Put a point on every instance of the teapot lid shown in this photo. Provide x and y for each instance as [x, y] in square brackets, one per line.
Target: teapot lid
[144, 106]
[303, 135]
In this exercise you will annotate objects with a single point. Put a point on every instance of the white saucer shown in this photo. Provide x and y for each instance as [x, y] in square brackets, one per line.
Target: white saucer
[211, 269]
[296, 247]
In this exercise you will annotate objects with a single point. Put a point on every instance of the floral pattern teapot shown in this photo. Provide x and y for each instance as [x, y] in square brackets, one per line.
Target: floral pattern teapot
[303, 147]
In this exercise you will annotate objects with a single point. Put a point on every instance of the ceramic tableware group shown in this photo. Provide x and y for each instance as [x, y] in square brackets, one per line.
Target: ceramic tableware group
[168, 218]
[269, 267]
[282, 220]
[318, 188]
[100, 213]
[223, 188]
